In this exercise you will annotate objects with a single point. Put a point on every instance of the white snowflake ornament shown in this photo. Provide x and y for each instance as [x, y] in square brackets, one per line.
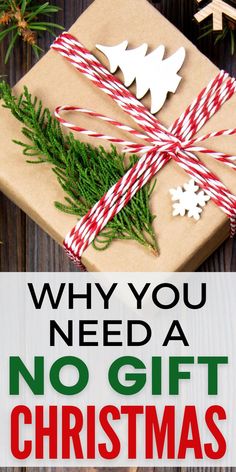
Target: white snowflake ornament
[189, 200]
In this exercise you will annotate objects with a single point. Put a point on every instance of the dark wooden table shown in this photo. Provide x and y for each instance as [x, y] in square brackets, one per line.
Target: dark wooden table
[25, 247]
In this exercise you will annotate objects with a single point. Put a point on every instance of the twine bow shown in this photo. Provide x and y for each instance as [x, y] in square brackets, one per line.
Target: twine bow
[158, 146]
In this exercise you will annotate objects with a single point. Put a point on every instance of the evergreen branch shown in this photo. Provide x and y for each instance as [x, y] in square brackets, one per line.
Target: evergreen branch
[20, 18]
[227, 34]
[84, 172]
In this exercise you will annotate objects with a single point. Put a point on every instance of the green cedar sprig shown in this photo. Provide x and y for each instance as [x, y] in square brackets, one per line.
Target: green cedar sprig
[84, 172]
[25, 19]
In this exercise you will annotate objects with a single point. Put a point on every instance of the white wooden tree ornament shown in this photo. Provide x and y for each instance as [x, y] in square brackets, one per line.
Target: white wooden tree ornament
[151, 71]
[217, 8]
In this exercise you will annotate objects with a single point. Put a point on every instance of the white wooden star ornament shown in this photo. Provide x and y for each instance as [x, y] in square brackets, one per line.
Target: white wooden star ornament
[151, 71]
[189, 200]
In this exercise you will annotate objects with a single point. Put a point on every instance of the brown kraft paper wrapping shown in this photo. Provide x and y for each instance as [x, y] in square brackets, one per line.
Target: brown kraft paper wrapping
[184, 243]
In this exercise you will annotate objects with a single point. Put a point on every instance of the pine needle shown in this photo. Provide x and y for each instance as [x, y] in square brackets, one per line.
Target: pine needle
[22, 19]
[228, 33]
[84, 172]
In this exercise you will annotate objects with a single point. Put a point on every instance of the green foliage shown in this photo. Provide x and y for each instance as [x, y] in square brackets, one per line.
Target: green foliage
[227, 34]
[20, 19]
[84, 172]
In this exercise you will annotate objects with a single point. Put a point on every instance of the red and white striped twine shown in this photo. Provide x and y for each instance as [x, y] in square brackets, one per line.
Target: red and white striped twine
[159, 144]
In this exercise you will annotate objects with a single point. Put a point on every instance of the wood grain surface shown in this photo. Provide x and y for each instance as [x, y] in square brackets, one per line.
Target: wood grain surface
[218, 8]
[25, 247]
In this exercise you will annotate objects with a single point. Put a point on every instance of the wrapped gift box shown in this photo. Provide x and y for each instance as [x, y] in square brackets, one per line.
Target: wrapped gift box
[184, 243]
